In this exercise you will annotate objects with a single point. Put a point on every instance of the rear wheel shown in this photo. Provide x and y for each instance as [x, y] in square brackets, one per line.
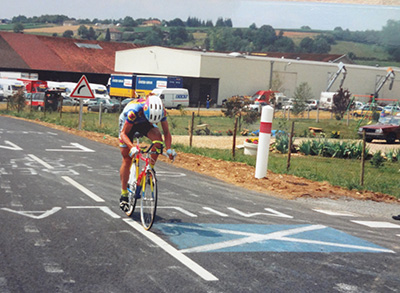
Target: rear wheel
[148, 200]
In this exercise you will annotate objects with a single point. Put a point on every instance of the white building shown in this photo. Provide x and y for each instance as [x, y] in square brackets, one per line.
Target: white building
[225, 75]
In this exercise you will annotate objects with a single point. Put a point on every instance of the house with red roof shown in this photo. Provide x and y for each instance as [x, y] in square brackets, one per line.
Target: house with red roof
[57, 58]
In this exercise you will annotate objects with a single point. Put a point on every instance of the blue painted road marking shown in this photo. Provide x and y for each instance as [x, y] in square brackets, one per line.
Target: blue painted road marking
[191, 238]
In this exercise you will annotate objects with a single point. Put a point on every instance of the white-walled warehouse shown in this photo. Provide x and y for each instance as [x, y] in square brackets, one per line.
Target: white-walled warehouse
[225, 75]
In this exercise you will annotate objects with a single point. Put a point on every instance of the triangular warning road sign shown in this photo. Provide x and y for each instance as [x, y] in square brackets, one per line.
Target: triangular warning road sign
[82, 89]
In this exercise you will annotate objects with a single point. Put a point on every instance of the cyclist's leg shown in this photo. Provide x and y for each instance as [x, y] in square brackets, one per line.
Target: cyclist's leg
[154, 134]
[125, 165]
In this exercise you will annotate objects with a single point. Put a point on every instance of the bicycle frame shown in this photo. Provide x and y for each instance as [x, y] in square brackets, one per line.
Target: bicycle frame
[144, 179]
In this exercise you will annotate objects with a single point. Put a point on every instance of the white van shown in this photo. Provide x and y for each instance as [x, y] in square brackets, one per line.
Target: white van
[326, 100]
[11, 86]
[173, 97]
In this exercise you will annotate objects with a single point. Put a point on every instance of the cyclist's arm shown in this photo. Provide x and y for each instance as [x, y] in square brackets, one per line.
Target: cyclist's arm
[124, 134]
[167, 134]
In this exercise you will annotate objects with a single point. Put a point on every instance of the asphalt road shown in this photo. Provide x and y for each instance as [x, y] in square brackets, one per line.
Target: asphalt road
[62, 230]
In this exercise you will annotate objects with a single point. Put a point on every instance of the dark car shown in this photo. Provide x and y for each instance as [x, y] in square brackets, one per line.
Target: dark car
[107, 105]
[49, 98]
[67, 101]
[388, 128]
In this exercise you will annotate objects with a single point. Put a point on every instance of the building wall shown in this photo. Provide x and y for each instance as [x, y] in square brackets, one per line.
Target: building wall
[223, 76]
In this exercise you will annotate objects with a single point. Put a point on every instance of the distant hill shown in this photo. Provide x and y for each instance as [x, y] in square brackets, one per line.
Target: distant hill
[365, 54]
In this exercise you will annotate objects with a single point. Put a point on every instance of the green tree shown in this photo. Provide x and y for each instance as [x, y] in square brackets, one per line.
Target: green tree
[178, 35]
[92, 34]
[19, 19]
[108, 35]
[306, 45]
[301, 95]
[83, 32]
[284, 44]
[220, 22]
[265, 36]
[18, 27]
[68, 34]
[129, 22]
[237, 107]
[176, 22]
[321, 46]
[390, 38]
[154, 37]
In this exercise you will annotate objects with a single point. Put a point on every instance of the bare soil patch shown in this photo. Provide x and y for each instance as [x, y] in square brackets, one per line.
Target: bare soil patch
[240, 174]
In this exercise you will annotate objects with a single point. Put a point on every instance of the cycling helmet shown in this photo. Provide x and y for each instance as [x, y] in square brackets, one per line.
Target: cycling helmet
[153, 109]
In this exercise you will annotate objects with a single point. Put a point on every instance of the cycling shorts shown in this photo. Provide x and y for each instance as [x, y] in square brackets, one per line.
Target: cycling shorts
[142, 128]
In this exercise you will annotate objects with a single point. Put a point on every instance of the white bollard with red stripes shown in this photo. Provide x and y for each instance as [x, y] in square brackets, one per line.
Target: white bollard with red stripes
[264, 140]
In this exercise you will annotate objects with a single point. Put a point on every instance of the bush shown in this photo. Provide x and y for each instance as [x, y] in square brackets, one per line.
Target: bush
[377, 160]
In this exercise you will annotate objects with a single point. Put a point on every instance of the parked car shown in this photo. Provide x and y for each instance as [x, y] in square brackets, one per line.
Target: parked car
[67, 101]
[312, 104]
[357, 105]
[366, 110]
[388, 128]
[391, 109]
[39, 102]
[107, 105]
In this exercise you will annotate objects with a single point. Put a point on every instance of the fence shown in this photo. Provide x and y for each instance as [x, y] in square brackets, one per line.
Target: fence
[349, 163]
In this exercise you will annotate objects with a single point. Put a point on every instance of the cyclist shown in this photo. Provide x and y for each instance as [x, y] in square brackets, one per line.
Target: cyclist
[141, 115]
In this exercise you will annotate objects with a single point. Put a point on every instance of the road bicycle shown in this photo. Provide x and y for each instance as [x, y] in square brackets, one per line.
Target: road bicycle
[142, 183]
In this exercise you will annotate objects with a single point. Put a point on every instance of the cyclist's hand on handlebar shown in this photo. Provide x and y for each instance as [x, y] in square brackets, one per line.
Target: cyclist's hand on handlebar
[171, 154]
[132, 152]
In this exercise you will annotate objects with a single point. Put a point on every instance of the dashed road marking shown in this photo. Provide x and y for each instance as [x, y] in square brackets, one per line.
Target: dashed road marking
[83, 189]
[377, 224]
[333, 213]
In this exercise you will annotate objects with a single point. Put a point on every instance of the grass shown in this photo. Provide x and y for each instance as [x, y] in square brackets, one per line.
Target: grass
[319, 169]
[340, 172]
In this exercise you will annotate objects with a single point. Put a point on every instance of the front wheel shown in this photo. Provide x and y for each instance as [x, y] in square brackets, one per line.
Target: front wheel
[132, 201]
[148, 200]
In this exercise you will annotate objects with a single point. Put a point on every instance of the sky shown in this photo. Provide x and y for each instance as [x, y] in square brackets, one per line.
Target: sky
[243, 13]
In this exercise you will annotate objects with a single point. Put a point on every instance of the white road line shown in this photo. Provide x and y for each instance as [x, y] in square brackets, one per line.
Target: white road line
[173, 252]
[13, 147]
[83, 189]
[215, 212]
[377, 224]
[332, 213]
[279, 236]
[273, 213]
[250, 238]
[107, 210]
[183, 211]
[40, 161]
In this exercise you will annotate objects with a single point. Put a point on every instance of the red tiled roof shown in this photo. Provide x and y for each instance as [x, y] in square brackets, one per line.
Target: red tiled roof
[59, 54]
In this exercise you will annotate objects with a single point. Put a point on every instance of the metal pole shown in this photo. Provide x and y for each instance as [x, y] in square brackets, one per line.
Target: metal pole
[234, 139]
[191, 130]
[80, 113]
[290, 147]
[270, 74]
[362, 160]
[100, 110]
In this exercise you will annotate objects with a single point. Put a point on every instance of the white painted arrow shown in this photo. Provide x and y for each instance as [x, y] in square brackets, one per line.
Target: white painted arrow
[31, 214]
[75, 147]
[12, 146]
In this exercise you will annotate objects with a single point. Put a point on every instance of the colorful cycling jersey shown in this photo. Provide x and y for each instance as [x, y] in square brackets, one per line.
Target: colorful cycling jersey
[133, 113]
